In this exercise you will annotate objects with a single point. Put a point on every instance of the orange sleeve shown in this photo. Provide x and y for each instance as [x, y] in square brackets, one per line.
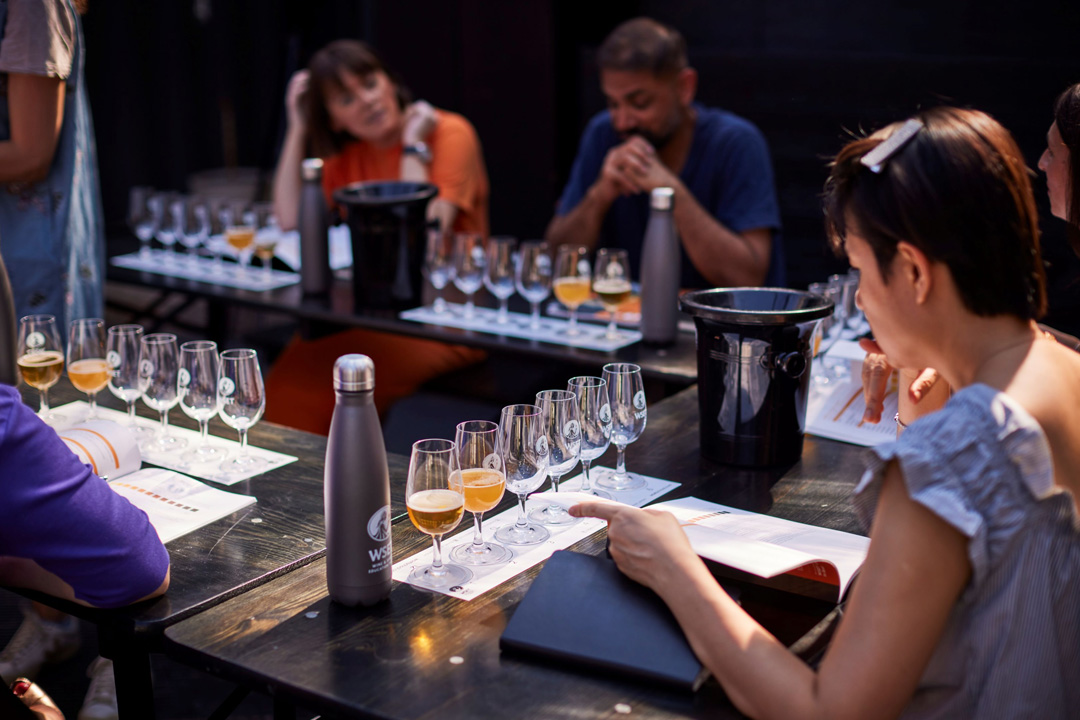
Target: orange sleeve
[333, 177]
[457, 167]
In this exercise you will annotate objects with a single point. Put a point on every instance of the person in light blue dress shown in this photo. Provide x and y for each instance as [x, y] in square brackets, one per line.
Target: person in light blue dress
[51, 232]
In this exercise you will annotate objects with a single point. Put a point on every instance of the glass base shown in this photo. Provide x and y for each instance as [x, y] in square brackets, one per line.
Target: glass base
[552, 515]
[447, 576]
[619, 483]
[168, 443]
[204, 453]
[244, 464]
[528, 535]
[53, 419]
[597, 493]
[487, 554]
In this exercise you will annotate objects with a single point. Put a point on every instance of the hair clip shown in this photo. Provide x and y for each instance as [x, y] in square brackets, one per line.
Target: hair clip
[876, 158]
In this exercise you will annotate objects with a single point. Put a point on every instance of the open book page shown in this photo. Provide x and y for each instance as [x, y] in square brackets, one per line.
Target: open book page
[768, 546]
[836, 405]
[175, 503]
[109, 449]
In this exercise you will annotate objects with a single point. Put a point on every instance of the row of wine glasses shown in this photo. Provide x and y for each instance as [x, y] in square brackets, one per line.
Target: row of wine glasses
[531, 443]
[503, 267]
[153, 367]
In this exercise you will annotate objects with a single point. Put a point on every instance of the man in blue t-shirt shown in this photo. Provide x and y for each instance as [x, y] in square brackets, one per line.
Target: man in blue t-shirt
[653, 135]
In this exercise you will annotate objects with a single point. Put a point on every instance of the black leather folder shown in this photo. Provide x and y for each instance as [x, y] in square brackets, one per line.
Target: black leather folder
[582, 610]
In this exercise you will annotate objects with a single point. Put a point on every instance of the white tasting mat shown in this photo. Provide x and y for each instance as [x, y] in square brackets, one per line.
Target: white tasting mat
[551, 330]
[75, 412]
[486, 577]
[205, 270]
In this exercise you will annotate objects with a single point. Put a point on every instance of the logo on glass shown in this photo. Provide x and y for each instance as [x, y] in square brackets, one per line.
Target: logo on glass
[146, 368]
[605, 413]
[183, 378]
[35, 341]
[113, 359]
[541, 446]
[493, 462]
[226, 387]
[378, 526]
[571, 430]
[639, 400]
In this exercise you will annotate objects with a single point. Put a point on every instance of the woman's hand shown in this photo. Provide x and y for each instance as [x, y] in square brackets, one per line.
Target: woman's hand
[876, 372]
[419, 122]
[647, 545]
[294, 97]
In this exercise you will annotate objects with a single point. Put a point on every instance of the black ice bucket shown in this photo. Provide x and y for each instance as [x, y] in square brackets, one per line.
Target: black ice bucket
[388, 225]
[754, 351]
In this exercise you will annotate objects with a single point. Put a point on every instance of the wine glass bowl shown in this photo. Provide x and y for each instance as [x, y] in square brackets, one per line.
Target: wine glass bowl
[435, 501]
[87, 367]
[572, 281]
[40, 359]
[611, 283]
[483, 478]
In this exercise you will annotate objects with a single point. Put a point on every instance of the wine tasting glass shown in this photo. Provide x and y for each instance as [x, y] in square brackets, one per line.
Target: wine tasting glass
[241, 399]
[194, 223]
[197, 384]
[626, 393]
[434, 499]
[41, 358]
[611, 283]
[483, 479]
[525, 453]
[165, 230]
[469, 261]
[571, 284]
[123, 344]
[141, 219]
[242, 239]
[266, 241]
[439, 265]
[87, 367]
[499, 278]
[534, 277]
[594, 412]
[159, 369]
[562, 428]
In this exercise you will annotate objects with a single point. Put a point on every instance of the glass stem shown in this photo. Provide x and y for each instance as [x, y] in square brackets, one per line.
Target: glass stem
[572, 330]
[612, 329]
[555, 482]
[620, 462]
[43, 396]
[585, 487]
[468, 306]
[522, 520]
[534, 319]
[504, 312]
[478, 532]
[439, 305]
[204, 431]
[436, 556]
[243, 442]
[164, 424]
[131, 413]
[92, 398]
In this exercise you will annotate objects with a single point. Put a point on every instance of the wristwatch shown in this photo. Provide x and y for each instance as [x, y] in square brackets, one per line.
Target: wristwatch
[420, 150]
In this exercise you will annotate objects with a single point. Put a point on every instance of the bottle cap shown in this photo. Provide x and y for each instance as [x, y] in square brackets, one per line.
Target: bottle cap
[311, 169]
[661, 198]
[353, 373]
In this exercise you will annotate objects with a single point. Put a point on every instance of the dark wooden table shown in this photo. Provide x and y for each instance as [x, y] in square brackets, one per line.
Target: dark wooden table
[282, 532]
[395, 660]
[675, 366]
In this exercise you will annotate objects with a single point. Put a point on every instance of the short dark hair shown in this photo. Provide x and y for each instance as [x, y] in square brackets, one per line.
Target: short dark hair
[643, 45]
[326, 66]
[1067, 118]
[960, 192]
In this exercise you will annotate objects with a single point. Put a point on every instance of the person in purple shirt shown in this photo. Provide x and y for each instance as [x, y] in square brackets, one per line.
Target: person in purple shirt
[654, 135]
[65, 532]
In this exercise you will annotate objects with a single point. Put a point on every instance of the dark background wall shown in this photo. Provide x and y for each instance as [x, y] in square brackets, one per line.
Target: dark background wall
[183, 86]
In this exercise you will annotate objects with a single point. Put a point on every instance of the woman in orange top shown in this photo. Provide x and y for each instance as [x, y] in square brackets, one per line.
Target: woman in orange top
[351, 110]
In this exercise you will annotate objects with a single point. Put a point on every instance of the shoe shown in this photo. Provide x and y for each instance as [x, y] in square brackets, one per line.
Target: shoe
[100, 701]
[36, 642]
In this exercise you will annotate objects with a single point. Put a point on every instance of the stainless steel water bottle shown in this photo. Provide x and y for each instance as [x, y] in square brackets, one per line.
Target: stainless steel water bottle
[356, 490]
[314, 245]
[660, 270]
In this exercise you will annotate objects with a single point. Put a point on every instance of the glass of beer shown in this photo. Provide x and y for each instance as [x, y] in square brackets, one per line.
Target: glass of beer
[87, 367]
[525, 453]
[242, 239]
[434, 497]
[572, 278]
[41, 358]
[611, 283]
[483, 479]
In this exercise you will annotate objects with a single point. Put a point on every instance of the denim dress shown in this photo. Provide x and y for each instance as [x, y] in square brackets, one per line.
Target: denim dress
[51, 232]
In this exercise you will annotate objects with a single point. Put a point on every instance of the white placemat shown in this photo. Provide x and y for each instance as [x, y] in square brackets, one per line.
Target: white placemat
[486, 577]
[205, 270]
[551, 330]
[76, 412]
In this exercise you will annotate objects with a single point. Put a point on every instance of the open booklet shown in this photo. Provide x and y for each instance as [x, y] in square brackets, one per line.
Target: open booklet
[790, 556]
[176, 504]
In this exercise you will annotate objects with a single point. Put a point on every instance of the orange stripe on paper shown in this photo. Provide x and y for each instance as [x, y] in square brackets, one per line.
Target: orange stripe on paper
[115, 457]
[93, 465]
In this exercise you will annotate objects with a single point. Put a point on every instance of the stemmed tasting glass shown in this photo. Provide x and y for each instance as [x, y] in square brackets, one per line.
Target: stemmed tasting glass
[242, 239]
[159, 370]
[534, 277]
[525, 452]
[141, 219]
[571, 285]
[87, 367]
[434, 499]
[242, 399]
[439, 265]
[469, 262]
[193, 219]
[611, 283]
[41, 358]
[626, 393]
[594, 411]
[562, 428]
[123, 343]
[266, 239]
[166, 229]
[499, 278]
[197, 384]
[483, 479]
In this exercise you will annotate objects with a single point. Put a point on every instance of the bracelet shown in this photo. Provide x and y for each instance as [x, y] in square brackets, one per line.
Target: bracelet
[899, 423]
